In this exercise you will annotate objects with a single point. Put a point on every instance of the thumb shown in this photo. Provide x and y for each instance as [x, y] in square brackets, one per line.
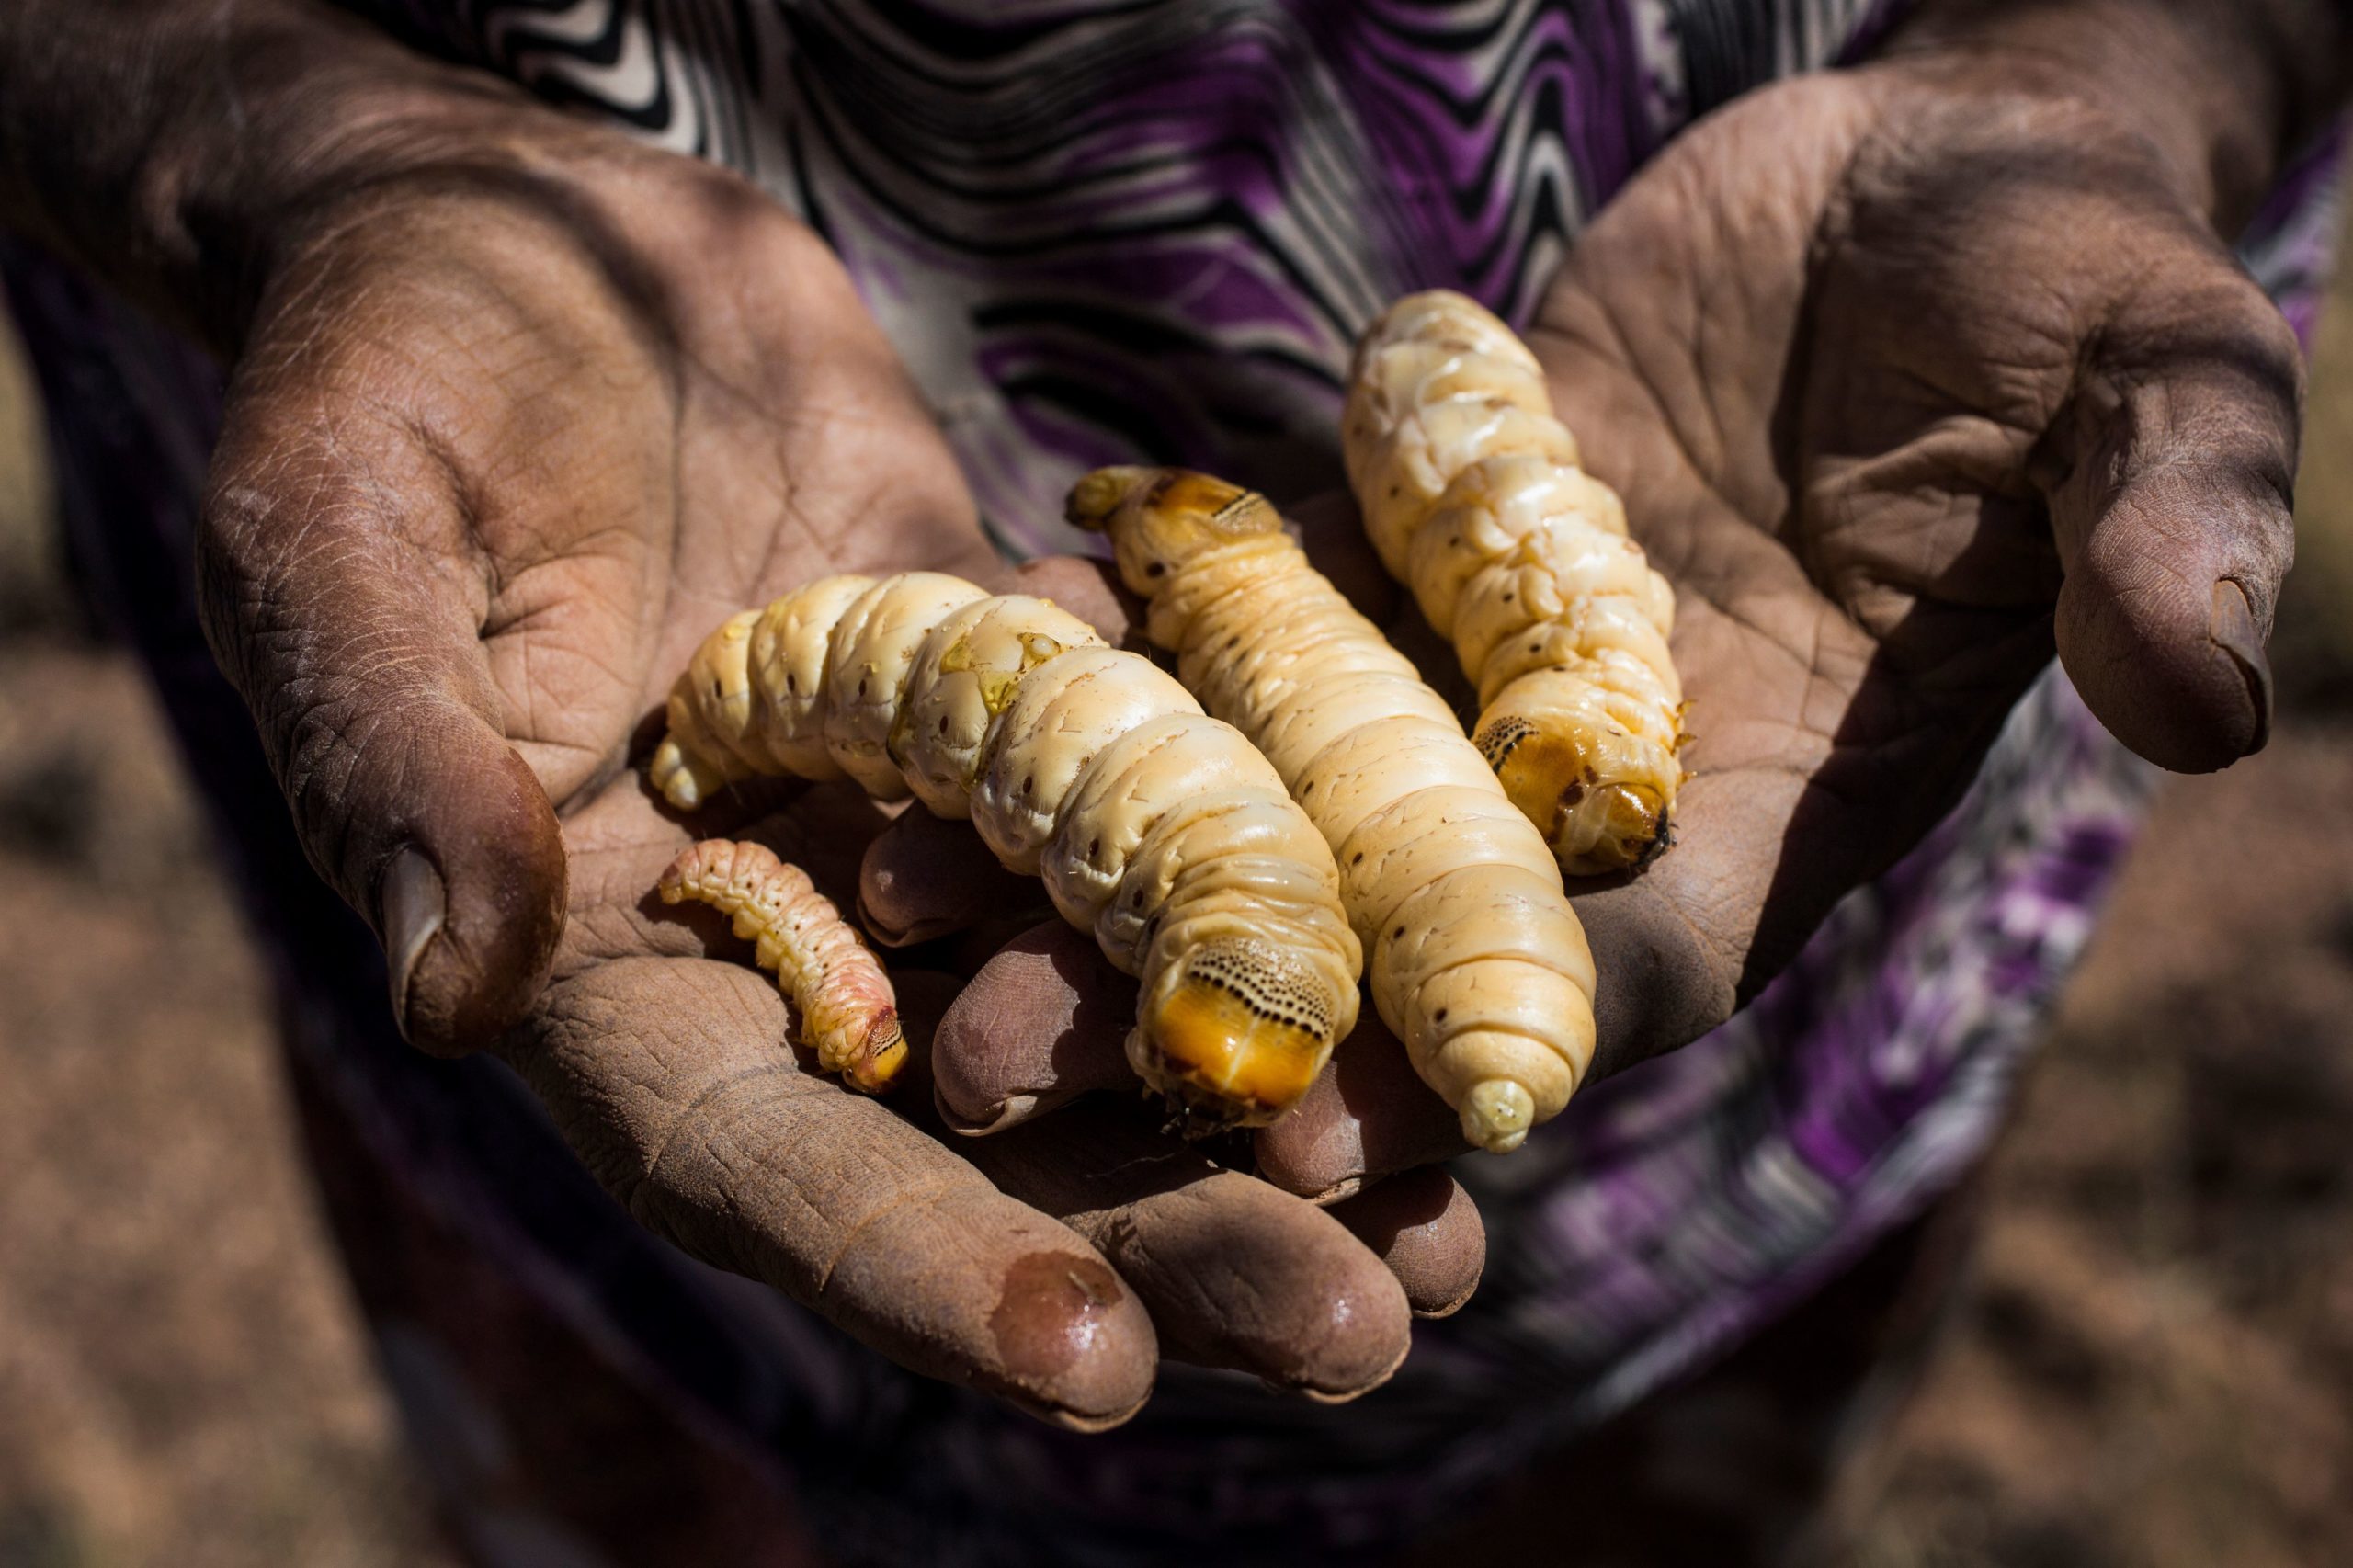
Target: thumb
[357, 650]
[2172, 475]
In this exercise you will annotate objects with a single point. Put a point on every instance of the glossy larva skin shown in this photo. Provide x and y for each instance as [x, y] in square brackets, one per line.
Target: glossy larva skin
[848, 1013]
[1474, 495]
[1476, 960]
[1157, 828]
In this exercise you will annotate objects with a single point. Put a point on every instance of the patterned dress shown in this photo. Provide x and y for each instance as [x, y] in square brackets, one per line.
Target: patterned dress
[1104, 233]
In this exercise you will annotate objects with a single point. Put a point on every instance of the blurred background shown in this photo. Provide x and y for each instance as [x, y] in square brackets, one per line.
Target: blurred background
[2152, 1364]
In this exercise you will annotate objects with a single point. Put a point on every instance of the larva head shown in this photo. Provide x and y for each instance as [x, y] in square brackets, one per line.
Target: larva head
[875, 1062]
[1594, 828]
[1235, 1032]
[1611, 829]
[1163, 519]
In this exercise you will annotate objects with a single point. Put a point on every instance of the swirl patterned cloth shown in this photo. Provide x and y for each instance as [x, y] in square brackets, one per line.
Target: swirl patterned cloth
[1104, 233]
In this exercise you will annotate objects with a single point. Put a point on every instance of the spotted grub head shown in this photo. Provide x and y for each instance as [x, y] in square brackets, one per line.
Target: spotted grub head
[1236, 1032]
[1160, 520]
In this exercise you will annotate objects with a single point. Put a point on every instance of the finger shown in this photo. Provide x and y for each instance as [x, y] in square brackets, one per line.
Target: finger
[669, 1079]
[1424, 1227]
[357, 653]
[2173, 516]
[926, 877]
[1236, 1274]
[1368, 1114]
[1044, 1022]
[1089, 589]
[827, 831]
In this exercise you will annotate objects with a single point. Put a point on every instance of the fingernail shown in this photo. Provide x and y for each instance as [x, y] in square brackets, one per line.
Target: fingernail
[1011, 1111]
[412, 905]
[2232, 627]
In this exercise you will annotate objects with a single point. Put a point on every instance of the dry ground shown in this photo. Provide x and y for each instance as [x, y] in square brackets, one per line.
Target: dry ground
[2152, 1366]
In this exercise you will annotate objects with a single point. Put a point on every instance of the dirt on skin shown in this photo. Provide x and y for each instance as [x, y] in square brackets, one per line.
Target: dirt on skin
[2152, 1366]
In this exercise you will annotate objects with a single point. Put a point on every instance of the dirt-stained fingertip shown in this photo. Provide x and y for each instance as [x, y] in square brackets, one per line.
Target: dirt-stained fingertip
[1367, 1115]
[1290, 1297]
[923, 878]
[1428, 1230]
[469, 945]
[1043, 1022]
[1074, 1347]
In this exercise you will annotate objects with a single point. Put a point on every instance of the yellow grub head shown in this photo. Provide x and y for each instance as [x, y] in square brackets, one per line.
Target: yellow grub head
[877, 1062]
[1160, 518]
[1235, 1034]
[1618, 826]
[1594, 828]
[1095, 497]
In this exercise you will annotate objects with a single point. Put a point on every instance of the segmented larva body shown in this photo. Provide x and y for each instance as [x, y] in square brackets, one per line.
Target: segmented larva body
[1471, 491]
[848, 1015]
[1157, 827]
[1476, 960]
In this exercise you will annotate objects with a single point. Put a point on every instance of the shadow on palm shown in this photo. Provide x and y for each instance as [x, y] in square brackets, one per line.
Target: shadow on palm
[1901, 404]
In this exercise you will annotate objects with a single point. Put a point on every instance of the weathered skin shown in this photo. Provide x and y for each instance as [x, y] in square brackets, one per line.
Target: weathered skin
[1475, 494]
[520, 408]
[2093, 450]
[475, 507]
[1476, 961]
[1155, 827]
[847, 1014]
[1239, 1273]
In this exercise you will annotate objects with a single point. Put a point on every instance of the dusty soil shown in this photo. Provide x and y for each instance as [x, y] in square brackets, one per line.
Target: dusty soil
[181, 1378]
[2152, 1365]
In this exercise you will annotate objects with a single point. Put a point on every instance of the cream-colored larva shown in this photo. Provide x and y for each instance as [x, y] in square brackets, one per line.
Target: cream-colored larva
[1476, 960]
[1155, 827]
[1474, 497]
[848, 1015]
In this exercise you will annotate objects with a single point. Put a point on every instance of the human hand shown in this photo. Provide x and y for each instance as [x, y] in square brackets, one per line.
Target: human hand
[1909, 376]
[518, 420]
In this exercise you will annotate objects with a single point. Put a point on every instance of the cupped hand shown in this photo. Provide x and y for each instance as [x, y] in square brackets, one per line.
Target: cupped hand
[519, 419]
[1909, 376]
[509, 435]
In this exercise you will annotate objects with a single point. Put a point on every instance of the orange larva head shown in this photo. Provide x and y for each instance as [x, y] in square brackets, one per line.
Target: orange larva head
[1595, 828]
[880, 1057]
[1160, 518]
[1234, 1033]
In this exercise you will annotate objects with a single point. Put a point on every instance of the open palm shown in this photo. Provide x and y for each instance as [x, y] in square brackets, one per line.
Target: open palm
[1900, 383]
[1905, 380]
[506, 443]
